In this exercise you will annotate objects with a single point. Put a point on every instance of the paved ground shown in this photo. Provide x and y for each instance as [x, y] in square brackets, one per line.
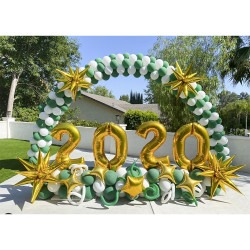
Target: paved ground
[16, 200]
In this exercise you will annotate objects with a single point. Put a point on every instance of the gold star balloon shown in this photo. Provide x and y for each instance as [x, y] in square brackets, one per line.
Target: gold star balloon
[220, 173]
[167, 171]
[189, 184]
[183, 81]
[71, 183]
[99, 171]
[133, 186]
[38, 174]
[73, 80]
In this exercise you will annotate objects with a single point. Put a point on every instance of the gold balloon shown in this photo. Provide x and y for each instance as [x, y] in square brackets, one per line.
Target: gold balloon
[121, 146]
[167, 171]
[203, 146]
[65, 150]
[133, 186]
[147, 154]
[71, 183]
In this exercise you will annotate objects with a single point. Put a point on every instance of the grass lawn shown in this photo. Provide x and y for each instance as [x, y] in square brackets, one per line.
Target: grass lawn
[10, 150]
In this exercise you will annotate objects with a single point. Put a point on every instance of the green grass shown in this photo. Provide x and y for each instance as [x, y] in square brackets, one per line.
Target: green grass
[10, 150]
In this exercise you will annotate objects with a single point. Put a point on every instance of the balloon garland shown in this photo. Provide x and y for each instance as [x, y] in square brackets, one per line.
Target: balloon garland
[207, 173]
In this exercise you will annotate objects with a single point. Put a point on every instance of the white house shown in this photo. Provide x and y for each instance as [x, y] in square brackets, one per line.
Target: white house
[104, 109]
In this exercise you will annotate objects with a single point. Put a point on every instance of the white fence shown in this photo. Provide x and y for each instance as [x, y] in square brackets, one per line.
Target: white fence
[239, 146]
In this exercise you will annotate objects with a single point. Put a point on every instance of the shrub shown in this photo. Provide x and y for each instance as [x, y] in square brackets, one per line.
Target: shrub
[134, 118]
[25, 114]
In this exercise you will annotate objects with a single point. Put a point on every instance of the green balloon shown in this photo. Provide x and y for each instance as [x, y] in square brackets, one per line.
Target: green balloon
[68, 100]
[115, 73]
[37, 136]
[100, 67]
[133, 171]
[52, 103]
[114, 64]
[206, 98]
[172, 78]
[219, 121]
[218, 147]
[217, 191]
[49, 127]
[151, 67]
[213, 109]
[221, 155]
[137, 74]
[41, 107]
[200, 103]
[152, 175]
[105, 77]
[60, 94]
[94, 81]
[192, 108]
[33, 160]
[64, 174]
[90, 193]
[87, 179]
[187, 197]
[44, 193]
[152, 59]
[40, 123]
[112, 56]
[212, 124]
[139, 56]
[34, 148]
[165, 64]
[191, 94]
[206, 114]
[45, 149]
[98, 60]
[158, 80]
[178, 175]
[126, 72]
[55, 117]
[110, 178]
[217, 135]
[147, 76]
[198, 117]
[126, 63]
[110, 193]
[64, 108]
[194, 175]
[138, 64]
[198, 87]
[162, 71]
[126, 55]
[152, 192]
[62, 192]
[178, 193]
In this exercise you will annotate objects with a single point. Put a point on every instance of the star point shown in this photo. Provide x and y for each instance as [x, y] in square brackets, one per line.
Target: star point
[167, 171]
[71, 183]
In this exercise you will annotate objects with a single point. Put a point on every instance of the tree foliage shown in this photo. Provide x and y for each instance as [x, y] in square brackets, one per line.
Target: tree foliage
[208, 56]
[136, 98]
[124, 98]
[32, 61]
[102, 90]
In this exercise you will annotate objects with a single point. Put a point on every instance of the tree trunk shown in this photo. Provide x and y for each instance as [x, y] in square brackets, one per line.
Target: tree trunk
[12, 95]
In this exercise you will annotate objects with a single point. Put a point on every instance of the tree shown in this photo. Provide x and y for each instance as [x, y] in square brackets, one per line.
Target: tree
[28, 67]
[124, 98]
[244, 96]
[136, 98]
[207, 56]
[102, 90]
[226, 97]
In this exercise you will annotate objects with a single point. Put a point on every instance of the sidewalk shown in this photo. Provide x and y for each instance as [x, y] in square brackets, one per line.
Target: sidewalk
[16, 200]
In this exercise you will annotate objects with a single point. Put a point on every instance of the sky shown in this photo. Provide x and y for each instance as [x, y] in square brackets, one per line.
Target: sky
[92, 47]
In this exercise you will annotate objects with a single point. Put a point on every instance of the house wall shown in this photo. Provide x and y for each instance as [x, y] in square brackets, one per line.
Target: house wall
[94, 111]
[238, 145]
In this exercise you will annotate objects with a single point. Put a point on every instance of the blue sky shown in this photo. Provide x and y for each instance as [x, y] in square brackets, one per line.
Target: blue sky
[92, 47]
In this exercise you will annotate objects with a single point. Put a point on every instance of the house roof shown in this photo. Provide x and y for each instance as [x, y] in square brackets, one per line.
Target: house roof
[122, 105]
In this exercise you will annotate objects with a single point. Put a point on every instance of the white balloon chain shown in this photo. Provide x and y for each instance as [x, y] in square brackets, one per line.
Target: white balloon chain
[78, 169]
[168, 195]
[80, 196]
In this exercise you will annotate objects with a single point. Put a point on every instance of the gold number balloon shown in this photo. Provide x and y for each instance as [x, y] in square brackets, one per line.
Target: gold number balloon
[121, 146]
[147, 154]
[203, 145]
[69, 146]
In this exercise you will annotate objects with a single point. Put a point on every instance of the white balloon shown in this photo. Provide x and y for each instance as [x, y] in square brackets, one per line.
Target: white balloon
[198, 111]
[223, 140]
[131, 70]
[154, 75]
[213, 152]
[145, 183]
[207, 181]
[193, 84]
[191, 101]
[214, 116]
[108, 70]
[47, 109]
[119, 58]
[106, 60]
[219, 128]
[203, 121]
[182, 95]
[60, 85]
[119, 185]
[158, 63]
[165, 185]
[41, 143]
[98, 75]
[143, 171]
[121, 172]
[49, 121]
[57, 111]
[120, 69]
[67, 93]
[59, 101]
[210, 131]
[122, 194]
[80, 196]
[53, 187]
[93, 64]
[37, 153]
[77, 189]
[165, 79]
[226, 151]
[199, 190]
[43, 131]
[52, 95]
[43, 115]
[81, 69]
[200, 95]
[87, 79]
[145, 60]
[48, 143]
[213, 142]
[166, 197]
[98, 186]
[30, 153]
[170, 70]
[143, 70]
[132, 58]
[56, 173]
[207, 106]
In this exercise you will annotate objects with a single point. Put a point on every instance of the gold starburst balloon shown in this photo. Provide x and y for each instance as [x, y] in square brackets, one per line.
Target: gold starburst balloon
[71, 183]
[189, 184]
[73, 80]
[220, 173]
[183, 81]
[99, 172]
[133, 186]
[38, 174]
[167, 171]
